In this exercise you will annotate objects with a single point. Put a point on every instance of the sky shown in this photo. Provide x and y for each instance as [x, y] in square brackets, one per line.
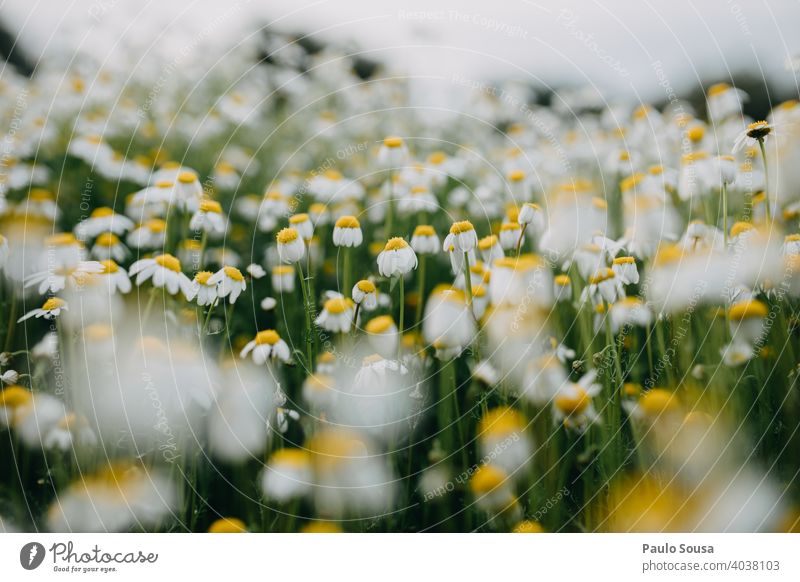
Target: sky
[636, 49]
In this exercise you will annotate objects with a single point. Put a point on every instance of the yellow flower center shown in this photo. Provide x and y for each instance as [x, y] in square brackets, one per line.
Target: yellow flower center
[528, 527]
[14, 396]
[393, 142]
[486, 479]
[228, 525]
[696, 133]
[107, 239]
[562, 280]
[437, 158]
[574, 401]
[487, 242]
[109, 266]
[740, 227]
[168, 262]
[348, 222]
[287, 235]
[102, 212]
[380, 324]
[298, 218]
[186, 178]
[624, 261]
[501, 421]
[295, 458]
[282, 270]
[337, 305]
[602, 275]
[202, 277]
[268, 336]
[395, 244]
[233, 273]
[751, 308]
[656, 401]
[718, 89]
[40, 195]
[156, 225]
[62, 239]
[366, 286]
[516, 176]
[210, 206]
[53, 303]
[461, 227]
[506, 226]
[424, 230]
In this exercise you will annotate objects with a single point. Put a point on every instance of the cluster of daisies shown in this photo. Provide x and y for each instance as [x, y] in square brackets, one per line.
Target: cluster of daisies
[281, 299]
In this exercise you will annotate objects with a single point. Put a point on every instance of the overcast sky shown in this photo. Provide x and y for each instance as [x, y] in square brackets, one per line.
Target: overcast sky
[624, 47]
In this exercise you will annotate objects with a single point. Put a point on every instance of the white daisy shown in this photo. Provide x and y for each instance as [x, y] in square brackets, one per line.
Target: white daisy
[165, 271]
[267, 346]
[231, 283]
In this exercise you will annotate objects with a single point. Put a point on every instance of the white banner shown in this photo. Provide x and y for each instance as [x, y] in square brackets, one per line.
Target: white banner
[390, 557]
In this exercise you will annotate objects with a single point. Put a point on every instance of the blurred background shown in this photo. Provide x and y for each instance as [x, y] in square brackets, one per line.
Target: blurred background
[628, 51]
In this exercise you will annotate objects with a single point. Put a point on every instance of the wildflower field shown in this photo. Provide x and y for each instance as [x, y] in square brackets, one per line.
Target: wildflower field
[271, 294]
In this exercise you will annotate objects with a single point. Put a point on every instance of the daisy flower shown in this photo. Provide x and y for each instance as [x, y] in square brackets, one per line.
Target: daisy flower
[562, 288]
[103, 220]
[625, 269]
[59, 279]
[365, 294]
[337, 315]
[393, 153]
[188, 191]
[347, 232]
[202, 289]
[531, 215]
[604, 285]
[303, 225]
[50, 309]
[267, 346]
[115, 277]
[283, 277]
[209, 218]
[288, 475]
[231, 283]
[397, 258]
[255, 270]
[291, 247]
[754, 133]
[108, 246]
[572, 403]
[462, 237]
[165, 272]
[490, 249]
[383, 335]
[510, 235]
[148, 235]
[424, 241]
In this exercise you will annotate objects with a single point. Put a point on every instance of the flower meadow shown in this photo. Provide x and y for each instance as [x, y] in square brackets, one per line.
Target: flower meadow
[275, 294]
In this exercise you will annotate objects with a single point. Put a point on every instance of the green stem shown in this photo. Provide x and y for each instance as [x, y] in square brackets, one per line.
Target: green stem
[468, 282]
[208, 317]
[766, 180]
[307, 312]
[348, 274]
[390, 210]
[420, 291]
[519, 240]
[12, 321]
[725, 214]
[402, 316]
